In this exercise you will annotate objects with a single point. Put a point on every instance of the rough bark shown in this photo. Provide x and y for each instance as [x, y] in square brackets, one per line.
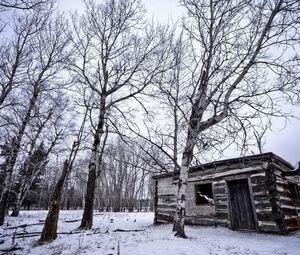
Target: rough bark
[16, 207]
[49, 232]
[87, 218]
[50, 228]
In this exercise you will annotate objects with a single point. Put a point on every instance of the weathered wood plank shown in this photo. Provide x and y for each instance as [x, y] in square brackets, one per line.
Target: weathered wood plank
[222, 206]
[220, 191]
[268, 227]
[268, 216]
[219, 184]
[261, 197]
[160, 206]
[262, 188]
[162, 218]
[292, 222]
[192, 220]
[260, 179]
[226, 173]
[222, 201]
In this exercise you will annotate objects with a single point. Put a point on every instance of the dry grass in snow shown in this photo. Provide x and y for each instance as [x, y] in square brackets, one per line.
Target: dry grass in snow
[106, 238]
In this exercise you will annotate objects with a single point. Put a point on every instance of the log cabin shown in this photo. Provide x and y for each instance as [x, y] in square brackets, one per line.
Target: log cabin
[253, 193]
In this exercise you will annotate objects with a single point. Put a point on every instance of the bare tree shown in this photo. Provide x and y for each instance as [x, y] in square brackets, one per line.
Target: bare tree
[122, 183]
[48, 53]
[47, 123]
[260, 135]
[235, 73]
[49, 232]
[22, 4]
[16, 53]
[118, 58]
[167, 135]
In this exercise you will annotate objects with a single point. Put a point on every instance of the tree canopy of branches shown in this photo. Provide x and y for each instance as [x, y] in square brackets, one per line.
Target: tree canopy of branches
[118, 57]
[242, 67]
[22, 4]
[32, 99]
[218, 78]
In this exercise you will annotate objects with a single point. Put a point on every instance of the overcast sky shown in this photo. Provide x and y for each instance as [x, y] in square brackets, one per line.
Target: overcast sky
[284, 140]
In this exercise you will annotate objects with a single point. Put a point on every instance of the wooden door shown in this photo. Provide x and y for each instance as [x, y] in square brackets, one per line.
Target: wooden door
[241, 209]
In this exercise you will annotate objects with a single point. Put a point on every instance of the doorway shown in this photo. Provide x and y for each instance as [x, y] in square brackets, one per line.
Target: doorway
[241, 209]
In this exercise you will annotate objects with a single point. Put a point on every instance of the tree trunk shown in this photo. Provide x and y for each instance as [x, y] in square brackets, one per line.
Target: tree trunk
[16, 144]
[49, 232]
[87, 218]
[16, 208]
[26, 185]
[182, 187]
[3, 207]
[4, 195]
[23, 189]
[187, 157]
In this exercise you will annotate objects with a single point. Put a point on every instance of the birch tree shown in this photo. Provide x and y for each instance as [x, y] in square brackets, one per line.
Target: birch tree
[244, 66]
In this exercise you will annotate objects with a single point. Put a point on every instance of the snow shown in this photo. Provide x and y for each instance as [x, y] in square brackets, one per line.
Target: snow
[153, 240]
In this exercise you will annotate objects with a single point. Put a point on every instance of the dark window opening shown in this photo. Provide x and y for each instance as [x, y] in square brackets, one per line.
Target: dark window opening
[204, 194]
[294, 190]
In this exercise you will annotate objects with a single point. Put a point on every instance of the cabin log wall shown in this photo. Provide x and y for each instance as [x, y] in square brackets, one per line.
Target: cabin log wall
[263, 185]
[166, 200]
[274, 210]
[288, 207]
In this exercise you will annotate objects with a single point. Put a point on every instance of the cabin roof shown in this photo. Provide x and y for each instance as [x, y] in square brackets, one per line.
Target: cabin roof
[258, 157]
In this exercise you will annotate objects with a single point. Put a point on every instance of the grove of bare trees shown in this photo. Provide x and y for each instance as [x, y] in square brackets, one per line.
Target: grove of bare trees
[92, 104]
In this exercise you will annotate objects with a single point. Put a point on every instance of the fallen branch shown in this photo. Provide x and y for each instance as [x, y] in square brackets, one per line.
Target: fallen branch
[33, 234]
[25, 233]
[97, 231]
[69, 233]
[27, 236]
[70, 221]
[128, 230]
[24, 225]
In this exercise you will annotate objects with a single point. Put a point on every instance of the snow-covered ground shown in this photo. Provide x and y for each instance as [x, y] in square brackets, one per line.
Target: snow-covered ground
[154, 240]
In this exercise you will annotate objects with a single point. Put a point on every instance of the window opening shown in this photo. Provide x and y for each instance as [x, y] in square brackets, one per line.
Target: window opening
[295, 190]
[204, 194]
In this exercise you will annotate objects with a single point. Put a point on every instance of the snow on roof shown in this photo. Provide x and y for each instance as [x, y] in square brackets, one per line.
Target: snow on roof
[242, 160]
